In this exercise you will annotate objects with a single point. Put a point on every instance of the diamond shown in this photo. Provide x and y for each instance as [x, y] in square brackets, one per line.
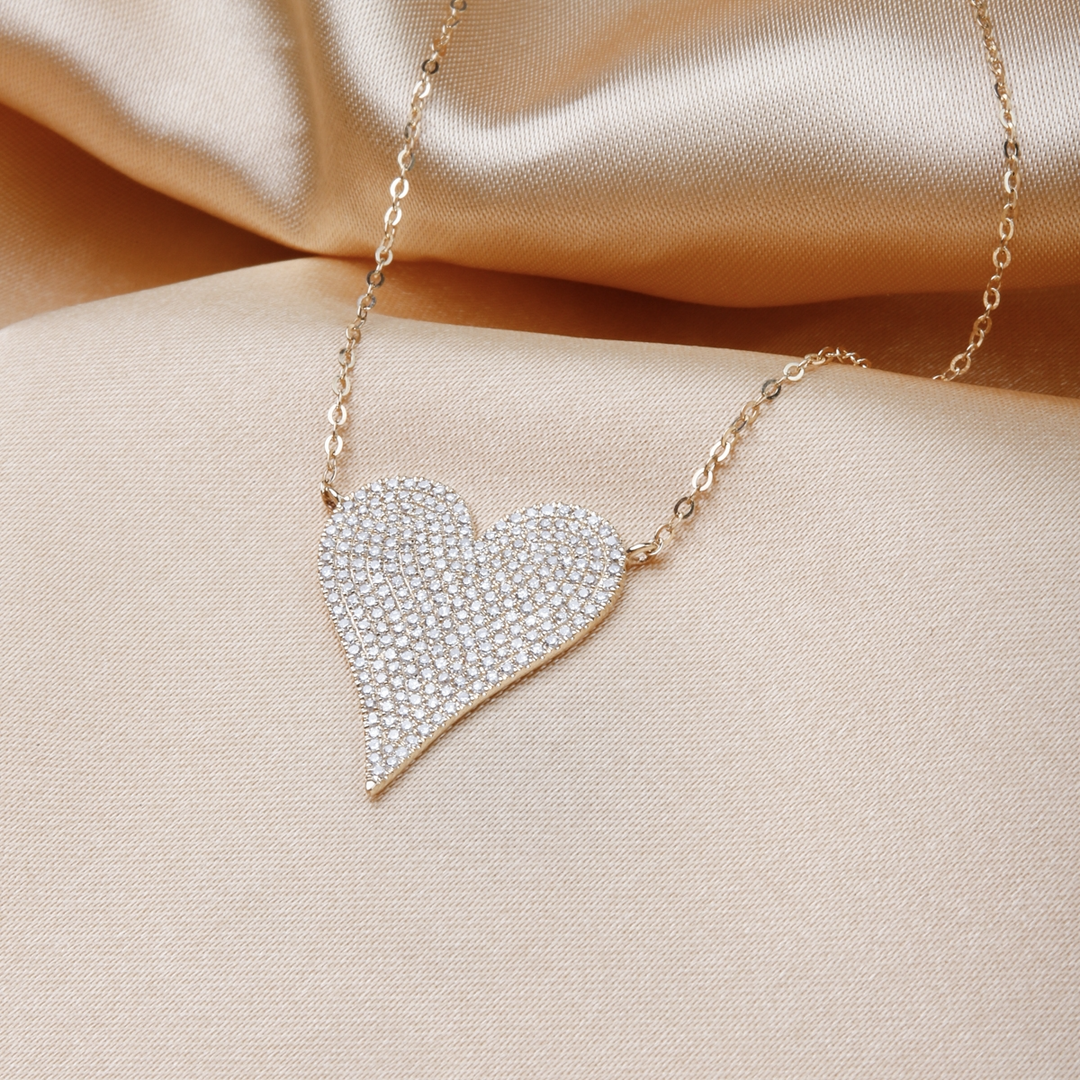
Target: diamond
[490, 610]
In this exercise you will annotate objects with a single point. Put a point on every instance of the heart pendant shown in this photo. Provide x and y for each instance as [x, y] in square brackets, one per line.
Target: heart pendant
[435, 621]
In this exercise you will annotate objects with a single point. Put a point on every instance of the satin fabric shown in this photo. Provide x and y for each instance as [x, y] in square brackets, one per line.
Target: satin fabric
[79, 230]
[72, 229]
[738, 154]
[804, 806]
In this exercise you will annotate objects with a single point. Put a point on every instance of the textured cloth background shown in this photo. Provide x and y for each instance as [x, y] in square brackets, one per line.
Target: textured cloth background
[806, 806]
[767, 153]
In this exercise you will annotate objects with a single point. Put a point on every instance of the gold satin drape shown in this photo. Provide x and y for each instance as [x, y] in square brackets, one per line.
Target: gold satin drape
[826, 154]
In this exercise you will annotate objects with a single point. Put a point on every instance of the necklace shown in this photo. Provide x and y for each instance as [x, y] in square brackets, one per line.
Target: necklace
[434, 620]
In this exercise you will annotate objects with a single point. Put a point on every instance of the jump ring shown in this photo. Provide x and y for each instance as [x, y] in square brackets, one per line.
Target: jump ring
[641, 552]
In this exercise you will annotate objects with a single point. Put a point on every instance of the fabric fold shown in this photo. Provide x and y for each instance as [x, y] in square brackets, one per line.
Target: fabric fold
[740, 155]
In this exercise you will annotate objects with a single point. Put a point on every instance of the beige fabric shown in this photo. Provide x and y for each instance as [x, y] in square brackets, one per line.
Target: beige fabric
[72, 229]
[738, 154]
[805, 806]
[1032, 347]
[80, 231]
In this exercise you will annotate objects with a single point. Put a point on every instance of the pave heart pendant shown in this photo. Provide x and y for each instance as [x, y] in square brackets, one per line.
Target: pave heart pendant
[434, 621]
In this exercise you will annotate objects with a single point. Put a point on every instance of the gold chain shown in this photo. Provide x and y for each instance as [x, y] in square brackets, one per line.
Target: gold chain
[721, 452]
[961, 362]
[338, 413]
[959, 365]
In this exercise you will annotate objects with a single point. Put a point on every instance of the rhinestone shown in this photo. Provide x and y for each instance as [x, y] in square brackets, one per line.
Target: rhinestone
[431, 620]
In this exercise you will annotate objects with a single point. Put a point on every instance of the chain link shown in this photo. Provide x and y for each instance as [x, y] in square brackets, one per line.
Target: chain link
[722, 450]
[1010, 180]
[338, 413]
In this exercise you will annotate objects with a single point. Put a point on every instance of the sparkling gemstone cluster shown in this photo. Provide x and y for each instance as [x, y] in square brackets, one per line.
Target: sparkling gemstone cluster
[434, 621]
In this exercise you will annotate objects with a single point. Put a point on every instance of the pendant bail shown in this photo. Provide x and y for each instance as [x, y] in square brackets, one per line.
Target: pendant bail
[329, 496]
